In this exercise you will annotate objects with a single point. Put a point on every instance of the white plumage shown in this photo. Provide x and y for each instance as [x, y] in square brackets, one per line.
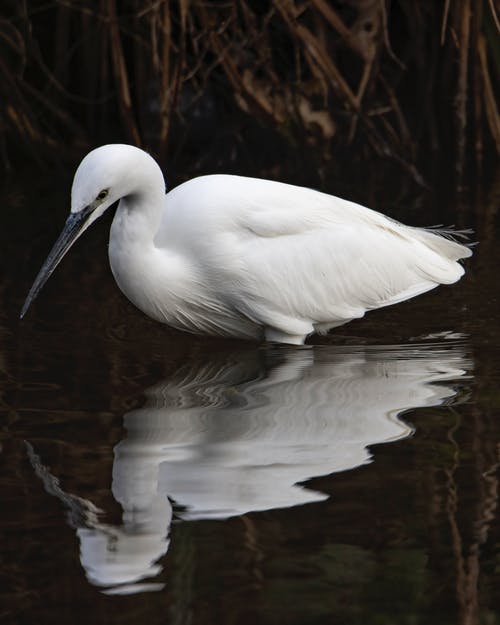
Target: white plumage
[244, 257]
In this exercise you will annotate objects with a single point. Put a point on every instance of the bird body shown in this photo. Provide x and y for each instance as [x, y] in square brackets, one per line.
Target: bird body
[244, 257]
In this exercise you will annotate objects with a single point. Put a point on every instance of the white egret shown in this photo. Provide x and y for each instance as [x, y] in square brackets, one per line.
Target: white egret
[243, 257]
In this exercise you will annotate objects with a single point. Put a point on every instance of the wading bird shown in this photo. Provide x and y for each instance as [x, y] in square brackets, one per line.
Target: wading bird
[243, 257]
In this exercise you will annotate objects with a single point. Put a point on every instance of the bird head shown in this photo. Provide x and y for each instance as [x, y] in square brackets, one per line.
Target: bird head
[104, 176]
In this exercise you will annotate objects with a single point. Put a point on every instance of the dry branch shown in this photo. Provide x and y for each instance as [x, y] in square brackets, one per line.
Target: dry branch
[316, 72]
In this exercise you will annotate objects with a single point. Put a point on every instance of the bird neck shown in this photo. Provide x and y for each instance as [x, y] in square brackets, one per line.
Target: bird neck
[138, 216]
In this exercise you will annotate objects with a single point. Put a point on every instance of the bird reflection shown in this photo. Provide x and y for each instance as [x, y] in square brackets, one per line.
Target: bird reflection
[240, 432]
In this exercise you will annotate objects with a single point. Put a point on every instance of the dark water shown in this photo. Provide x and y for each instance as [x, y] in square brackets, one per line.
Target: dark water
[152, 477]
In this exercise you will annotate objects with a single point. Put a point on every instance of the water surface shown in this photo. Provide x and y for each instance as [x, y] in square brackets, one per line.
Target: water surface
[149, 476]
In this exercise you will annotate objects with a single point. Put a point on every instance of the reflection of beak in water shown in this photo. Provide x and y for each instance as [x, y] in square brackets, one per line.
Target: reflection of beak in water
[223, 438]
[115, 556]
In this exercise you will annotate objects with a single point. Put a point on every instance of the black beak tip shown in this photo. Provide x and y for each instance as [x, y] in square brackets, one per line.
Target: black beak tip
[68, 236]
[25, 307]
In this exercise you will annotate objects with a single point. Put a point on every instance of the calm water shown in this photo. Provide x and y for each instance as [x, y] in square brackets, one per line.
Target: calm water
[152, 477]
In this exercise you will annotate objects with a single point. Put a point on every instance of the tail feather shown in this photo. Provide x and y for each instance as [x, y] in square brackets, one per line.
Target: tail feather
[443, 241]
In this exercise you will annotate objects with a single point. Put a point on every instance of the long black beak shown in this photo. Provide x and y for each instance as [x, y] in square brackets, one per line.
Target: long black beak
[72, 228]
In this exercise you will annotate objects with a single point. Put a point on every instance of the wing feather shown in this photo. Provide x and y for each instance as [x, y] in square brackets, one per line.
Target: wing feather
[293, 259]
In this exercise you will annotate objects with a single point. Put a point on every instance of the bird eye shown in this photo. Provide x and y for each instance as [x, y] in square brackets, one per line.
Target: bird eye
[102, 195]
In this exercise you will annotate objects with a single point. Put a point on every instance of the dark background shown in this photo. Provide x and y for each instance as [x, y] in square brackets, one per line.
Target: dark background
[323, 93]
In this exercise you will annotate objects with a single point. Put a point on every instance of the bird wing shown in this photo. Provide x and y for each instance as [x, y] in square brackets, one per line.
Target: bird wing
[296, 259]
